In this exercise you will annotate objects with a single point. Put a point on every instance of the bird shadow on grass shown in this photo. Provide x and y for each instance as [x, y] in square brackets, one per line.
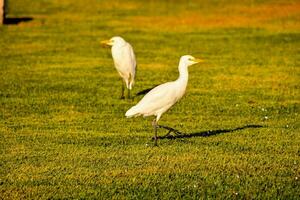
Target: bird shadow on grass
[145, 91]
[178, 134]
[16, 20]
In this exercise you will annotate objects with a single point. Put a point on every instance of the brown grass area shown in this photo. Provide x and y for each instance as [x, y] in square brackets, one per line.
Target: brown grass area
[273, 16]
[91, 4]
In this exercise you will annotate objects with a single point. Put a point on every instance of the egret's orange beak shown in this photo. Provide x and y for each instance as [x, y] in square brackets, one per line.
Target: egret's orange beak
[106, 42]
[197, 60]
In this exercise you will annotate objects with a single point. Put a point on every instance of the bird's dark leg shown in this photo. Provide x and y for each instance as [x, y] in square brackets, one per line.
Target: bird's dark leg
[122, 91]
[154, 124]
[128, 86]
[170, 130]
[128, 93]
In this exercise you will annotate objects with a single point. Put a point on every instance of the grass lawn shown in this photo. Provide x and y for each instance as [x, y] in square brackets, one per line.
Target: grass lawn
[63, 133]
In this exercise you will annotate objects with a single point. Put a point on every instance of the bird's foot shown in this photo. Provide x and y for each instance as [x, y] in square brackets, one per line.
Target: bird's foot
[170, 130]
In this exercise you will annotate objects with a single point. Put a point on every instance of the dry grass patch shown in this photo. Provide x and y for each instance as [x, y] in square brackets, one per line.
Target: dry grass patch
[226, 17]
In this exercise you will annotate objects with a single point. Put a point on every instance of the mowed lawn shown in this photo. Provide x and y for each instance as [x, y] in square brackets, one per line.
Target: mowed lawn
[63, 133]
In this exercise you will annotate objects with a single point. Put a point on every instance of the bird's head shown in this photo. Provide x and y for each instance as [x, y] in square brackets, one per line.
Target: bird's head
[189, 60]
[116, 40]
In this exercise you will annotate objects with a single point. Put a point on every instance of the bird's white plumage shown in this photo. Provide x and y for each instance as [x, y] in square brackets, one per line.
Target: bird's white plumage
[124, 59]
[164, 96]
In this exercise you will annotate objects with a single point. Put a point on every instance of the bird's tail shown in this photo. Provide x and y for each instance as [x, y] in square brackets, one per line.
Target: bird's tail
[132, 112]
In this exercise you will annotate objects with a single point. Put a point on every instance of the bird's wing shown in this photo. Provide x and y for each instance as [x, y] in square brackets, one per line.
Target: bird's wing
[133, 59]
[124, 60]
[132, 66]
[159, 97]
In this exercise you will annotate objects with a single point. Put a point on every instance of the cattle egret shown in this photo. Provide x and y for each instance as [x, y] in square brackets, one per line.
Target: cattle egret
[124, 60]
[164, 96]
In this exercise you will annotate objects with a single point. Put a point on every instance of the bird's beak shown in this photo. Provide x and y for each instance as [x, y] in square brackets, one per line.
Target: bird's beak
[197, 60]
[107, 42]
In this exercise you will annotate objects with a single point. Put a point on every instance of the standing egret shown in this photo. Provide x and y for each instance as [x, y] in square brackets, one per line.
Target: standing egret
[124, 60]
[164, 96]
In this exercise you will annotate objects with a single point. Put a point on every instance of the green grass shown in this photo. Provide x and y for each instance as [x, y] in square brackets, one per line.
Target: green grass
[63, 133]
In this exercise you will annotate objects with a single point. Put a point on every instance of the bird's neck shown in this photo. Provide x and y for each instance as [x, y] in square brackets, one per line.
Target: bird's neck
[183, 72]
[183, 75]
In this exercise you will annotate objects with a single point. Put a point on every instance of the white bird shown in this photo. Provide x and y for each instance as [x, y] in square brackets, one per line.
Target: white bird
[164, 96]
[124, 60]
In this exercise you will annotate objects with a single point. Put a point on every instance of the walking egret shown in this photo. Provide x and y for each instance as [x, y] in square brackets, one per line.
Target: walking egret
[164, 96]
[124, 60]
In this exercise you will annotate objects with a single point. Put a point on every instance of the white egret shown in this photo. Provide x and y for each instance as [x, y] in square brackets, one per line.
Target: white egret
[124, 60]
[164, 96]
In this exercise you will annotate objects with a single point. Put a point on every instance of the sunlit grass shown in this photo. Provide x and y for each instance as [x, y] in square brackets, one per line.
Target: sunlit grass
[62, 127]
